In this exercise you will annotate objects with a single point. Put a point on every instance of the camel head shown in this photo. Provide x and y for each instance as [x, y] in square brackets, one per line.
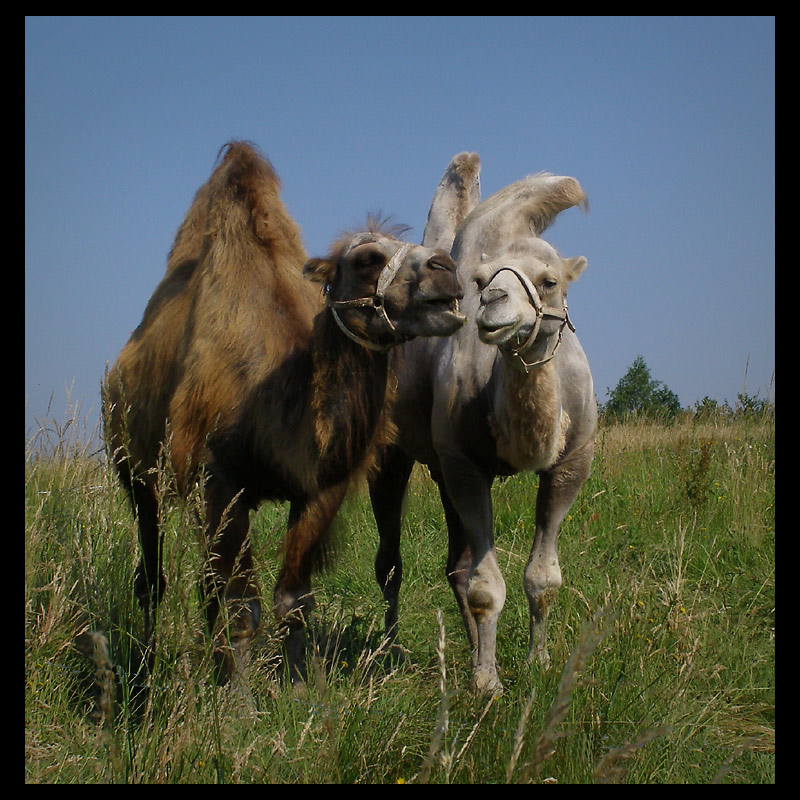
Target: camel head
[383, 291]
[523, 300]
[522, 283]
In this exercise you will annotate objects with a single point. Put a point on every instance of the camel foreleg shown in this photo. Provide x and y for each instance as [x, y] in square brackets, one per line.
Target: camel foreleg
[304, 552]
[558, 488]
[469, 491]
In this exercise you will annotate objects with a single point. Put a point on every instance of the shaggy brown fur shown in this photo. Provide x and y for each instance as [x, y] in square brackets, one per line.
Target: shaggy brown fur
[240, 377]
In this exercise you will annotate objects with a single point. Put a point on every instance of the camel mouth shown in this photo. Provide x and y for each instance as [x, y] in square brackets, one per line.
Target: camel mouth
[447, 307]
[496, 336]
[498, 333]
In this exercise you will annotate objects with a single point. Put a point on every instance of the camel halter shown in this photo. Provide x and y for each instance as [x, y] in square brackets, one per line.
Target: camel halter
[515, 353]
[385, 279]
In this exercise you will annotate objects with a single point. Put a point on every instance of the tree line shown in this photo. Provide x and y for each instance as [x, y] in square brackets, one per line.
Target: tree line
[638, 394]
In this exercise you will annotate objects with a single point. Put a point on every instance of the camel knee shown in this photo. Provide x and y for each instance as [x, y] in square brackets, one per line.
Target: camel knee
[243, 617]
[486, 592]
[232, 630]
[292, 608]
[542, 577]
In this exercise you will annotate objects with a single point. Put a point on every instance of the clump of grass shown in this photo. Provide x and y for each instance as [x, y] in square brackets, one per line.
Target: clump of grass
[591, 634]
[696, 474]
[610, 768]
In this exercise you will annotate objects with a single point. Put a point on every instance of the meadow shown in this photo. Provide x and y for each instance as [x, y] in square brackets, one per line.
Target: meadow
[662, 637]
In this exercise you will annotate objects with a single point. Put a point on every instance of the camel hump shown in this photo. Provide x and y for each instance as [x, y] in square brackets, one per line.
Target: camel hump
[522, 209]
[464, 167]
[458, 192]
[249, 174]
[238, 209]
[245, 183]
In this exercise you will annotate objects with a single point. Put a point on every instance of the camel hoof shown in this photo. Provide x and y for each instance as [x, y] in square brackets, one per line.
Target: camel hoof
[393, 655]
[231, 643]
[486, 683]
[539, 656]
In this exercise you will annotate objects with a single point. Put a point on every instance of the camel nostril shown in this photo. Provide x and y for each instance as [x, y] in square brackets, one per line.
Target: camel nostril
[441, 261]
[493, 295]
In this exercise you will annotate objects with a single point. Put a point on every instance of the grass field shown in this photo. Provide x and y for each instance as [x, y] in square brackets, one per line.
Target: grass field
[662, 637]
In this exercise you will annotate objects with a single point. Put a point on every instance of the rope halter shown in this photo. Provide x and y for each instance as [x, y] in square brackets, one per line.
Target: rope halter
[376, 300]
[515, 354]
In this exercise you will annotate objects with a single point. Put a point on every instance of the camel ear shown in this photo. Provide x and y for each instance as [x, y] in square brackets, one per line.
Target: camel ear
[319, 270]
[573, 267]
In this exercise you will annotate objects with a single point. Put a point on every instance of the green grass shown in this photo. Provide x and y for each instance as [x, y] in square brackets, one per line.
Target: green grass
[662, 636]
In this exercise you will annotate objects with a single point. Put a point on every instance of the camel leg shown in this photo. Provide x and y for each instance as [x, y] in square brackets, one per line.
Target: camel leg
[387, 490]
[304, 551]
[558, 488]
[470, 493]
[233, 610]
[459, 567]
[149, 582]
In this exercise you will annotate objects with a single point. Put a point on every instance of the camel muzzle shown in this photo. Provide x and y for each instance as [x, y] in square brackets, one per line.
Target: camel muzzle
[376, 301]
[515, 354]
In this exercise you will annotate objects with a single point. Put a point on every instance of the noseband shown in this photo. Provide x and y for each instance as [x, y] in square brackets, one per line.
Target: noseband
[387, 275]
[542, 312]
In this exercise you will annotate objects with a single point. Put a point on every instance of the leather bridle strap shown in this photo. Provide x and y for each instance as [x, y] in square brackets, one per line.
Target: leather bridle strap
[542, 311]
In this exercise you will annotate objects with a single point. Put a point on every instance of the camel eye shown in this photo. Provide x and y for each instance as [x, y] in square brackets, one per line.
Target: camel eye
[549, 284]
[368, 259]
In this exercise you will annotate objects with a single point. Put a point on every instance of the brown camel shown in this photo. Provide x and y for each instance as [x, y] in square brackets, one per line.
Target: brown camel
[258, 384]
[509, 392]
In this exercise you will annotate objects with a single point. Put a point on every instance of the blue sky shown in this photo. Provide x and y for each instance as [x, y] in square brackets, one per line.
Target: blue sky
[667, 122]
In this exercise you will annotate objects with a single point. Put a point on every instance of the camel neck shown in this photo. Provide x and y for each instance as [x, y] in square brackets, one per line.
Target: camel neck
[349, 394]
[528, 421]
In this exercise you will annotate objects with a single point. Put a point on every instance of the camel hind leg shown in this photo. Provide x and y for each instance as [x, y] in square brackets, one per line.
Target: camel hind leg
[149, 582]
[459, 567]
[232, 605]
[387, 492]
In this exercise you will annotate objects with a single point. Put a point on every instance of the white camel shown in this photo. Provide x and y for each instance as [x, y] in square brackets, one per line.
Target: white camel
[517, 396]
